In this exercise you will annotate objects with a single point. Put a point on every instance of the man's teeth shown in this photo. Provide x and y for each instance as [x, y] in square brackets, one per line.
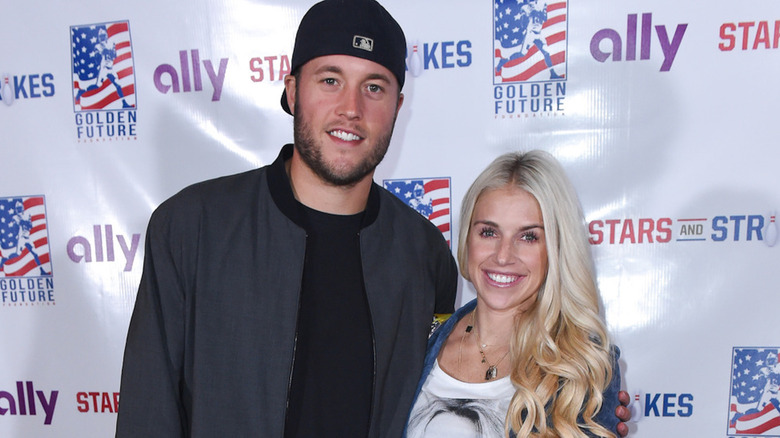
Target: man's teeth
[500, 278]
[346, 136]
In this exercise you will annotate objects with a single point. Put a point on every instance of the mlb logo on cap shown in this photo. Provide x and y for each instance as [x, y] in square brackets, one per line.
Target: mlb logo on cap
[361, 42]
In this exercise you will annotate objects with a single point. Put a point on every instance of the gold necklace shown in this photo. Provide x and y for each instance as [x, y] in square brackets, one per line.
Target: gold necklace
[492, 371]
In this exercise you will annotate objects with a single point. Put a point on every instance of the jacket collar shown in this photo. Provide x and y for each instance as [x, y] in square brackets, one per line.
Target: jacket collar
[282, 194]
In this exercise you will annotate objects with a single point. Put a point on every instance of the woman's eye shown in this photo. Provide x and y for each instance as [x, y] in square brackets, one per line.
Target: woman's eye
[529, 236]
[487, 232]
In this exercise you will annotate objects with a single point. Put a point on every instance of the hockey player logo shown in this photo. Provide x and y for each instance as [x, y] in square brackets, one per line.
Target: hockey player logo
[24, 247]
[529, 40]
[429, 197]
[103, 75]
[755, 393]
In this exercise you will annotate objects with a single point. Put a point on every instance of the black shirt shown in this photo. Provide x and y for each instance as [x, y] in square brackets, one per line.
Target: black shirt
[332, 382]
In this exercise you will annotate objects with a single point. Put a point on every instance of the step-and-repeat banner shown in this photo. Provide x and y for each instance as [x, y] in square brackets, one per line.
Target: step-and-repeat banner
[664, 115]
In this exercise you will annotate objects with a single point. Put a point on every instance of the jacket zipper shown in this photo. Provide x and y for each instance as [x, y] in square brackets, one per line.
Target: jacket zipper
[373, 341]
[295, 350]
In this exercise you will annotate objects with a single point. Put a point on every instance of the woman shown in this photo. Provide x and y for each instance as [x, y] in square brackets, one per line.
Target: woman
[531, 348]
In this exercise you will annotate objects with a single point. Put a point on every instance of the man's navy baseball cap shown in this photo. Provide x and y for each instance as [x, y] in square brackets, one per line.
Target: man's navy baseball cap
[361, 28]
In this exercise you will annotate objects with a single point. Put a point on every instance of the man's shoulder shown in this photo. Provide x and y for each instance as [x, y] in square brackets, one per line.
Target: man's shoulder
[393, 207]
[227, 185]
[223, 187]
[417, 230]
[217, 194]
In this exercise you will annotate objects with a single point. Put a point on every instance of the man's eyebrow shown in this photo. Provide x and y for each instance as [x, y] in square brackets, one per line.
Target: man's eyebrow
[379, 77]
[338, 70]
[329, 69]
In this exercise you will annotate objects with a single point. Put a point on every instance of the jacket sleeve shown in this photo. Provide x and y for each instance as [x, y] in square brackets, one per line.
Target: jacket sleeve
[151, 392]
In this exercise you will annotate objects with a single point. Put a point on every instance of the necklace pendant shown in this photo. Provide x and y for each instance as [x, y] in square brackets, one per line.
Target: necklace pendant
[491, 373]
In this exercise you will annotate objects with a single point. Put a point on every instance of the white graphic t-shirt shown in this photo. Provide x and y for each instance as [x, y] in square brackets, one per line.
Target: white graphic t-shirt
[449, 408]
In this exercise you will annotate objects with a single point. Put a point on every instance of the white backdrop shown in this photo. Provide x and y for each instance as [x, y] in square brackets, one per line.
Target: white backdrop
[663, 115]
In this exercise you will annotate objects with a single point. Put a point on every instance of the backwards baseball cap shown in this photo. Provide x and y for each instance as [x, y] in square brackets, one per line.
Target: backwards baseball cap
[360, 28]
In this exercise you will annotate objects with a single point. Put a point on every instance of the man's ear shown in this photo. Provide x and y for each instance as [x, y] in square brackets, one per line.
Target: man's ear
[289, 88]
[400, 102]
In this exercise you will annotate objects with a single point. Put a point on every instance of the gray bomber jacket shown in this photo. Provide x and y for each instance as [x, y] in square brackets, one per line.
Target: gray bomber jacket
[210, 346]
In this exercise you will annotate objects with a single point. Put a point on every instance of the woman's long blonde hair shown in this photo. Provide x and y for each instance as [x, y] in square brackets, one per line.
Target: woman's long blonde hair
[560, 350]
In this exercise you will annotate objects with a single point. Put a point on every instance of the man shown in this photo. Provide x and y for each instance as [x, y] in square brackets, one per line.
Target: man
[279, 302]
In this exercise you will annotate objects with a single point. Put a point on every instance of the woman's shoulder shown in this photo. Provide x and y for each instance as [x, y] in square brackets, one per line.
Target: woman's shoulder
[444, 322]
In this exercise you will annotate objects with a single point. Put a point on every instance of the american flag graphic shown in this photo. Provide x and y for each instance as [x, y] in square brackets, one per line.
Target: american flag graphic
[755, 392]
[103, 75]
[430, 197]
[529, 40]
[24, 239]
